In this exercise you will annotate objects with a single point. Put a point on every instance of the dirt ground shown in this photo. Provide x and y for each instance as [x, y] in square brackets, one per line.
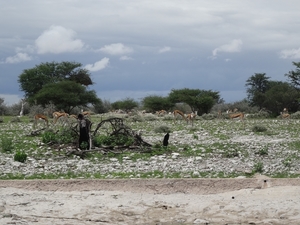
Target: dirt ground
[259, 200]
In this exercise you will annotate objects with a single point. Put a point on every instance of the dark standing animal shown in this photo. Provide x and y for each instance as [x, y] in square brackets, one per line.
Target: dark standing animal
[166, 140]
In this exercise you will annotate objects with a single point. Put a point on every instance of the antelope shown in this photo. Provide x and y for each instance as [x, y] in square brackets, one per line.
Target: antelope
[190, 117]
[38, 117]
[57, 115]
[178, 112]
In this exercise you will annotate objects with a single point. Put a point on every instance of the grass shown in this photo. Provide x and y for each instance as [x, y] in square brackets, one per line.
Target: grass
[207, 139]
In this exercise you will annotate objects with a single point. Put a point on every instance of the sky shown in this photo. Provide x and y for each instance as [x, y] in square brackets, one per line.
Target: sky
[139, 48]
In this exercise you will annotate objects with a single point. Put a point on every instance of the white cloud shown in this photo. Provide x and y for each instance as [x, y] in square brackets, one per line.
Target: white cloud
[164, 49]
[116, 49]
[19, 57]
[234, 46]
[98, 65]
[124, 58]
[58, 39]
[291, 54]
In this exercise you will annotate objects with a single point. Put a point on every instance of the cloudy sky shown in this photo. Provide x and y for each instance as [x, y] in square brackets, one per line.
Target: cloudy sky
[137, 48]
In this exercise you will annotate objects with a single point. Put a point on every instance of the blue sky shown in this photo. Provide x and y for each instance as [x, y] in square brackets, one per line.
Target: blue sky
[137, 48]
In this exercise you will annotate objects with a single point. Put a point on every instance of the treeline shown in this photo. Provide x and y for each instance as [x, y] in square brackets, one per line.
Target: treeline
[64, 87]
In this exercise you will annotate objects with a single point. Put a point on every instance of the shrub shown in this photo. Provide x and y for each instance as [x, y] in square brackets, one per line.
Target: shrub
[259, 128]
[6, 144]
[136, 118]
[65, 135]
[150, 117]
[49, 137]
[117, 140]
[162, 129]
[1, 120]
[15, 119]
[258, 167]
[209, 116]
[20, 156]
[295, 115]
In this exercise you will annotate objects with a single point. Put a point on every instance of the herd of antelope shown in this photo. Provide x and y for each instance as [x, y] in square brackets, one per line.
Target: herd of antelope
[57, 116]
[189, 118]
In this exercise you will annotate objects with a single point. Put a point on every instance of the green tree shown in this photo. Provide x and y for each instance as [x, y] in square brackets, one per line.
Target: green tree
[155, 103]
[257, 85]
[294, 76]
[66, 95]
[126, 104]
[199, 100]
[33, 80]
[281, 95]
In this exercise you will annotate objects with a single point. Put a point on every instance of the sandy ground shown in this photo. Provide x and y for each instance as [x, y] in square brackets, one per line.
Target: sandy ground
[259, 200]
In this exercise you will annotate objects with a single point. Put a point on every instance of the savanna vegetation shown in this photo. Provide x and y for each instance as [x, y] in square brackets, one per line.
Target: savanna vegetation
[63, 87]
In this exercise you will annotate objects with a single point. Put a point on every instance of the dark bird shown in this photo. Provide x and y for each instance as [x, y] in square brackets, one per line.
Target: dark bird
[166, 140]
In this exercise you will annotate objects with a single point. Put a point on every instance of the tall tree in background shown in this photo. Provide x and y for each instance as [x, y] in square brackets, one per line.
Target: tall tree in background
[155, 103]
[281, 95]
[66, 95]
[33, 80]
[294, 76]
[64, 84]
[199, 100]
[257, 85]
[126, 104]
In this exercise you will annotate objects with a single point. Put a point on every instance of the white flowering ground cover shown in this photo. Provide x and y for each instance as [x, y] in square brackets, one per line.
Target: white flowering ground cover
[208, 149]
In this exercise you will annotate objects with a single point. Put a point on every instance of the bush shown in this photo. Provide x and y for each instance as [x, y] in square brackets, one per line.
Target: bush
[49, 137]
[150, 117]
[20, 156]
[209, 116]
[259, 115]
[259, 128]
[295, 115]
[6, 144]
[162, 129]
[15, 119]
[118, 140]
[1, 120]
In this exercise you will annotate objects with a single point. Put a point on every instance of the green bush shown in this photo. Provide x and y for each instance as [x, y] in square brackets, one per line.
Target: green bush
[117, 140]
[49, 137]
[162, 129]
[6, 144]
[20, 156]
[65, 136]
[259, 128]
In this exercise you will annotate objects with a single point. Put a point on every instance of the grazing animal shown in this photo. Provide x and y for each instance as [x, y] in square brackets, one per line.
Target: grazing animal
[178, 112]
[166, 140]
[38, 117]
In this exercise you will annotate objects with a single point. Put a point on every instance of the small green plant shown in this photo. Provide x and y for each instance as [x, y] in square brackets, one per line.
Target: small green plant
[259, 128]
[263, 151]
[231, 153]
[84, 145]
[6, 144]
[49, 137]
[20, 156]
[258, 167]
[287, 162]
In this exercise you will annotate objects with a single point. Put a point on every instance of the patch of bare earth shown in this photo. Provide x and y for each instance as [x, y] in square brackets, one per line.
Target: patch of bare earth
[259, 200]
